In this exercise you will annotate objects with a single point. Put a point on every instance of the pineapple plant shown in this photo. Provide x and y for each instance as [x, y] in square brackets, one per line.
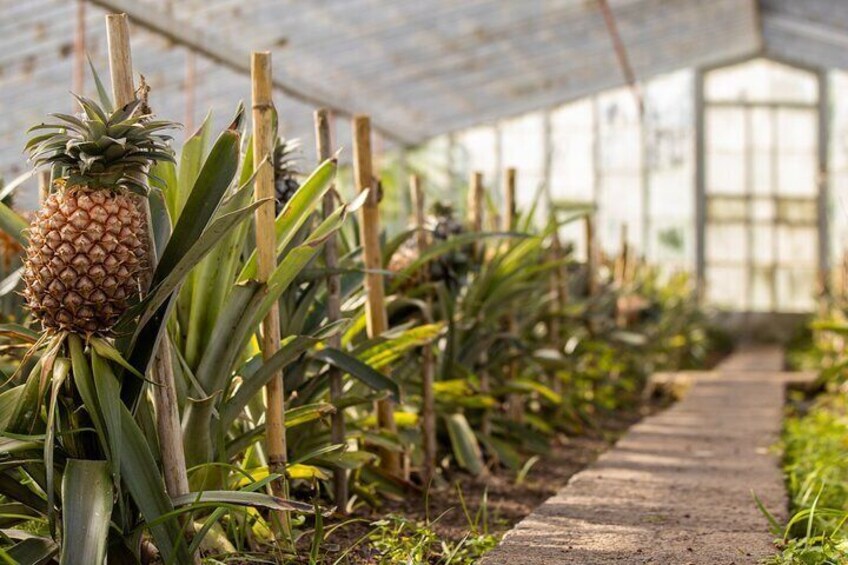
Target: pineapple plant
[449, 267]
[88, 242]
[285, 172]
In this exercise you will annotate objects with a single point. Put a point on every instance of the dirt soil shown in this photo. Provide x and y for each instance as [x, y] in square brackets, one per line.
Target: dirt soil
[508, 503]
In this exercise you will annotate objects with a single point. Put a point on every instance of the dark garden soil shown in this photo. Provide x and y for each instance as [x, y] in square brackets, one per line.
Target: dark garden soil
[507, 501]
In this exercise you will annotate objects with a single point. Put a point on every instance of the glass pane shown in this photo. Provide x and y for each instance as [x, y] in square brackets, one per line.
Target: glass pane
[760, 80]
[797, 130]
[723, 209]
[796, 175]
[796, 289]
[725, 173]
[763, 245]
[797, 246]
[725, 129]
[762, 168]
[795, 211]
[763, 210]
[726, 287]
[762, 289]
[726, 244]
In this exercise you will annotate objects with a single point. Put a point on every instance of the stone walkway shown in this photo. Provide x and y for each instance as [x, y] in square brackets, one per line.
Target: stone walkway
[677, 488]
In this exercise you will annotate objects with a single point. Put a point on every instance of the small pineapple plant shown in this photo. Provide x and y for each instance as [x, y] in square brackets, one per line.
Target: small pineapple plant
[449, 267]
[285, 172]
[88, 242]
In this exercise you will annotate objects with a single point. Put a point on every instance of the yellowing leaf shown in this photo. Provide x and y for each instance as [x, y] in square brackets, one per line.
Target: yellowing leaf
[306, 472]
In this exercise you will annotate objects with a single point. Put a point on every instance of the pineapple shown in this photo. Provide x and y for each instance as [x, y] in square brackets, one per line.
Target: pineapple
[285, 172]
[448, 268]
[454, 265]
[87, 244]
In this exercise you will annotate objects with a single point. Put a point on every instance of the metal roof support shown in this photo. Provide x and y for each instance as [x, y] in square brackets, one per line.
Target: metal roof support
[227, 55]
[78, 79]
[548, 163]
[700, 187]
[621, 53]
[645, 181]
[823, 182]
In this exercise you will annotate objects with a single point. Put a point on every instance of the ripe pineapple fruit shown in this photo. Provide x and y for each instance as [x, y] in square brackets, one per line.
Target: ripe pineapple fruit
[285, 172]
[87, 245]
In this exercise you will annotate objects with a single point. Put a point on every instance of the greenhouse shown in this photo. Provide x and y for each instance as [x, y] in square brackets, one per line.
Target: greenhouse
[434, 282]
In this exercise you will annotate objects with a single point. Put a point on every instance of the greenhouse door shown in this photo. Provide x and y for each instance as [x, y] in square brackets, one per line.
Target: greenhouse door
[761, 204]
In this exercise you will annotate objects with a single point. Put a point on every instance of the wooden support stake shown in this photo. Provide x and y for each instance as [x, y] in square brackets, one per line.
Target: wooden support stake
[376, 318]
[476, 199]
[591, 256]
[79, 49]
[190, 90]
[475, 207]
[515, 405]
[331, 258]
[509, 200]
[559, 280]
[623, 266]
[164, 395]
[266, 248]
[43, 186]
[428, 368]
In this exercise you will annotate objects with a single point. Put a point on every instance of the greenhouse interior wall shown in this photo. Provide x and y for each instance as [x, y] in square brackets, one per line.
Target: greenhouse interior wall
[640, 174]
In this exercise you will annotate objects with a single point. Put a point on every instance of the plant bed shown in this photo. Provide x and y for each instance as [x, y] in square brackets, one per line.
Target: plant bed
[459, 523]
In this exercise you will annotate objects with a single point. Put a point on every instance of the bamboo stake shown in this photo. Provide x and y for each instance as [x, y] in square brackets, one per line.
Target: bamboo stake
[79, 49]
[164, 395]
[509, 200]
[558, 287]
[844, 293]
[428, 409]
[591, 256]
[43, 186]
[515, 406]
[190, 90]
[475, 206]
[623, 265]
[376, 318]
[331, 257]
[266, 248]
[476, 197]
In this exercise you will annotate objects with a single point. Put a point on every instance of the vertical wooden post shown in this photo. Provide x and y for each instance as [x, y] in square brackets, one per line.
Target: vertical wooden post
[476, 197]
[428, 409]
[376, 318]
[515, 406]
[164, 395]
[509, 200]
[559, 280]
[622, 268]
[79, 49]
[331, 258]
[844, 276]
[43, 186]
[266, 248]
[591, 255]
[475, 202]
[190, 90]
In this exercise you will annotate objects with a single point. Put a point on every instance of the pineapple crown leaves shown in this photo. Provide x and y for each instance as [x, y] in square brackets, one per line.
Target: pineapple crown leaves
[285, 157]
[100, 149]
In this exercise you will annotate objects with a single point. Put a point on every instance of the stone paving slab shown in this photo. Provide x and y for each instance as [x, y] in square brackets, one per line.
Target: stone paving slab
[676, 489]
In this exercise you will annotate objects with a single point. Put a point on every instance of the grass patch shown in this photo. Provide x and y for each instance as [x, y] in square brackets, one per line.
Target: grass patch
[815, 448]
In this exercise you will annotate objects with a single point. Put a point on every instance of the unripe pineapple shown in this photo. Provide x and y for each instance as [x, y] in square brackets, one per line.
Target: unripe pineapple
[87, 245]
[449, 268]
[285, 172]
